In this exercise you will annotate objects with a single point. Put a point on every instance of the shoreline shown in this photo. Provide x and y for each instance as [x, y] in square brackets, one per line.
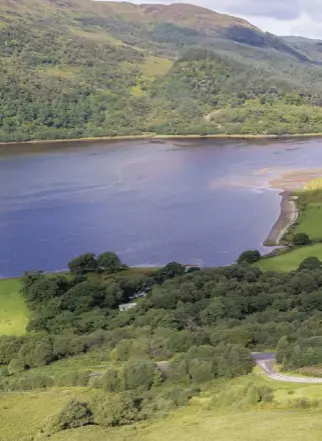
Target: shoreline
[287, 218]
[161, 137]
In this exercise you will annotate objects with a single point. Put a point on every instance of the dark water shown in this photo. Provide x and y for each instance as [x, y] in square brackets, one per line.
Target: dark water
[151, 202]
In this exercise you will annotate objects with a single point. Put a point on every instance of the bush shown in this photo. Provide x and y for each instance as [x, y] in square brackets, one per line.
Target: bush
[118, 410]
[83, 264]
[109, 262]
[259, 394]
[180, 397]
[250, 256]
[233, 361]
[16, 365]
[111, 381]
[139, 375]
[201, 371]
[75, 414]
[310, 263]
[301, 239]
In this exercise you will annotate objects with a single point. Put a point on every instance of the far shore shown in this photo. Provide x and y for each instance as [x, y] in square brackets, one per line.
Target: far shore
[287, 218]
[160, 137]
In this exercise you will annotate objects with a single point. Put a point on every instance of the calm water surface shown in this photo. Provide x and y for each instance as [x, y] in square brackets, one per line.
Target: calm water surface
[151, 202]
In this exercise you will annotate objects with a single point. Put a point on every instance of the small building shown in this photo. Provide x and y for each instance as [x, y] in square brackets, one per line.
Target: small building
[126, 306]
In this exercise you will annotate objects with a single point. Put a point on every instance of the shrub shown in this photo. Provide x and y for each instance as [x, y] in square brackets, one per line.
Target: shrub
[83, 264]
[310, 263]
[200, 371]
[109, 262]
[111, 381]
[250, 256]
[118, 410]
[16, 365]
[75, 414]
[301, 239]
[139, 375]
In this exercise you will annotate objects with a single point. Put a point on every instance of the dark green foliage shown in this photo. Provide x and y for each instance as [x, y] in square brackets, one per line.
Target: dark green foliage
[43, 288]
[83, 264]
[109, 262]
[282, 349]
[25, 383]
[250, 256]
[9, 348]
[139, 375]
[301, 239]
[310, 263]
[233, 361]
[78, 303]
[201, 371]
[16, 365]
[90, 73]
[201, 326]
[111, 381]
[75, 414]
[300, 352]
[169, 271]
[118, 410]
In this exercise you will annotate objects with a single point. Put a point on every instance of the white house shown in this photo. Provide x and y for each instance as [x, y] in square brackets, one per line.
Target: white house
[126, 306]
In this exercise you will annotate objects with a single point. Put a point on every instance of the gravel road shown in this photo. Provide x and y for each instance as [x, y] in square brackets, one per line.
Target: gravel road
[266, 362]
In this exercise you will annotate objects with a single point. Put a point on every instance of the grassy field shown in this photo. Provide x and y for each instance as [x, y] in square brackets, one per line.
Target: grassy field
[310, 210]
[310, 221]
[191, 425]
[25, 415]
[291, 260]
[13, 311]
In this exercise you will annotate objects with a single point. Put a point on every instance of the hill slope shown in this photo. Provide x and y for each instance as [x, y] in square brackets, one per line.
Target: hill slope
[75, 68]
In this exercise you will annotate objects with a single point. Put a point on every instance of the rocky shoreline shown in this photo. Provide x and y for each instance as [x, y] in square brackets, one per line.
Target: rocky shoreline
[287, 218]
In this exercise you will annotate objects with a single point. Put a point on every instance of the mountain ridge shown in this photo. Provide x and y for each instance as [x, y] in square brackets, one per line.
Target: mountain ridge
[76, 69]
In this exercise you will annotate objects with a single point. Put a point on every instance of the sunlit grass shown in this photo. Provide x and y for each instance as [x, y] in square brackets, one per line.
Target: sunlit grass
[291, 260]
[156, 66]
[13, 310]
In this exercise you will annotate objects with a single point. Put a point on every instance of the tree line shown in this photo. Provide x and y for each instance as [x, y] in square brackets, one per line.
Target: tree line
[190, 329]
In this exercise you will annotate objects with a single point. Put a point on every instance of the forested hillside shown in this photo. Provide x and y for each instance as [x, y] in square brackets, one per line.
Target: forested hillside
[76, 68]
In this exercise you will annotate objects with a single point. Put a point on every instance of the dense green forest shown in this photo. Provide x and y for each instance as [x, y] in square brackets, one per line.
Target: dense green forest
[86, 69]
[188, 327]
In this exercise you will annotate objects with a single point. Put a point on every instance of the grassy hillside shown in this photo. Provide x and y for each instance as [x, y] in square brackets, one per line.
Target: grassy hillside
[82, 69]
[178, 364]
[13, 310]
[309, 206]
[291, 260]
[203, 419]
[207, 426]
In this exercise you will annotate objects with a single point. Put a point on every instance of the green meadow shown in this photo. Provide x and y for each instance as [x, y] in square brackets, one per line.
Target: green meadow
[309, 205]
[310, 221]
[291, 260]
[13, 310]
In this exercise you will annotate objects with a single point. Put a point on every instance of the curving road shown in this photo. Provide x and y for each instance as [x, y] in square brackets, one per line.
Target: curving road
[263, 359]
[266, 360]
